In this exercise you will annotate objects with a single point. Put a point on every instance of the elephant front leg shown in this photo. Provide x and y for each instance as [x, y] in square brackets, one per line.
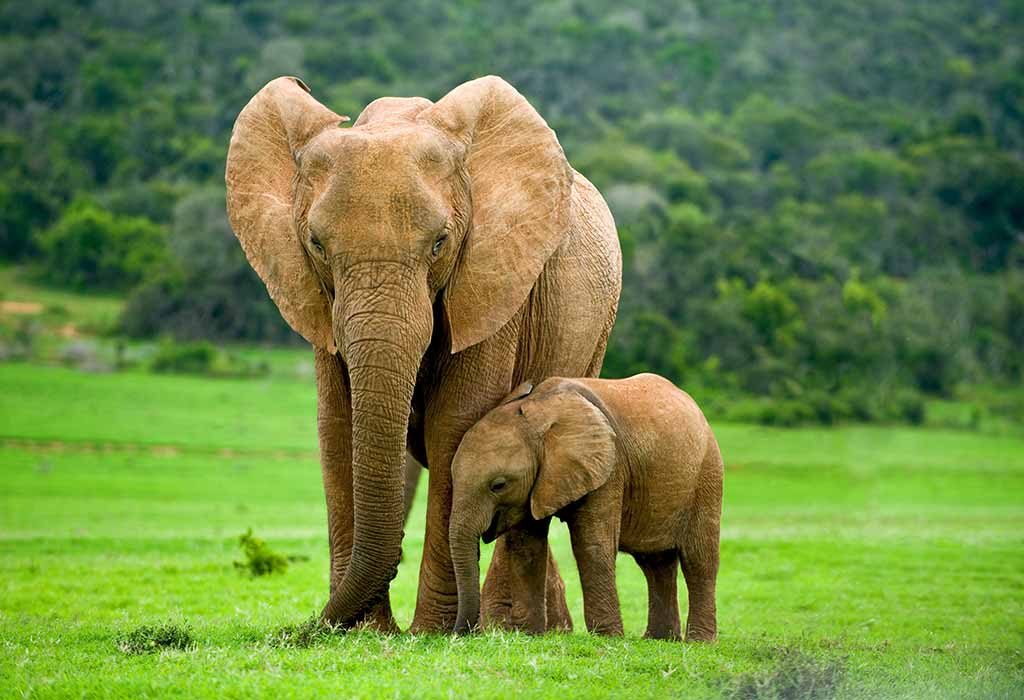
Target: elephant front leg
[595, 542]
[437, 598]
[334, 427]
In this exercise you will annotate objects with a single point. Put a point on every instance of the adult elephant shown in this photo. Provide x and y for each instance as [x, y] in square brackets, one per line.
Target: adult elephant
[435, 255]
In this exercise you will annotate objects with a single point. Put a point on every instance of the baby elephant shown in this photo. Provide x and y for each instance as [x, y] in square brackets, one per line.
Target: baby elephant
[630, 465]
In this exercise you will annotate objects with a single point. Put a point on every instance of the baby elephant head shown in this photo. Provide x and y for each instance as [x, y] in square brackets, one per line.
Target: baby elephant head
[533, 455]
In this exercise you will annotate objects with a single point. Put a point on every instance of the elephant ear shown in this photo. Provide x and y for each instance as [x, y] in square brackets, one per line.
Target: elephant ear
[261, 178]
[520, 184]
[392, 108]
[520, 392]
[578, 450]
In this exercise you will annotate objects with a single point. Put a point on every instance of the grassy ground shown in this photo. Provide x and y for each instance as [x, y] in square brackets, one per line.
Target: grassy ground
[856, 562]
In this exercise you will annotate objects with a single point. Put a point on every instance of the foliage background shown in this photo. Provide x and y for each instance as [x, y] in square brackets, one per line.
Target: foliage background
[821, 204]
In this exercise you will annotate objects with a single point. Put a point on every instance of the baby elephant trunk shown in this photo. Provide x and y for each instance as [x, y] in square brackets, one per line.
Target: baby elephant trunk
[465, 548]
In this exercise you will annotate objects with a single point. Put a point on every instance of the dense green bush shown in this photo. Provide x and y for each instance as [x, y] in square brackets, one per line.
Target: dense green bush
[202, 358]
[206, 288]
[91, 248]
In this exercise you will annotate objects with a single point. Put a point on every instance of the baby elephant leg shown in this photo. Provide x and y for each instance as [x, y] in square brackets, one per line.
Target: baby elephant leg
[661, 569]
[699, 557]
[594, 544]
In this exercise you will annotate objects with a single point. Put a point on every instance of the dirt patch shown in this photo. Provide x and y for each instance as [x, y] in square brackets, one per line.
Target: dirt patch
[45, 445]
[20, 307]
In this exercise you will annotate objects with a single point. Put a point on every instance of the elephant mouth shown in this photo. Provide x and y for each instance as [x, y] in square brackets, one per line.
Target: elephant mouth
[492, 532]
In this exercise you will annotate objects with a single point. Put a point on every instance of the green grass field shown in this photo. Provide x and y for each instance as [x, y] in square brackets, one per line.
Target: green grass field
[856, 562]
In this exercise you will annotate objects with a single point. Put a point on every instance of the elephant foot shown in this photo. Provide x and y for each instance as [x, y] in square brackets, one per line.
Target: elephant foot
[436, 613]
[436, 626]
[701, 635]
[672, 635]
[379, 618]
[496, 613]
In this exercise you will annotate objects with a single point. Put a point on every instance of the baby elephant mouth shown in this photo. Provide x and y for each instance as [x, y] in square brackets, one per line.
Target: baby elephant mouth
[491, 533]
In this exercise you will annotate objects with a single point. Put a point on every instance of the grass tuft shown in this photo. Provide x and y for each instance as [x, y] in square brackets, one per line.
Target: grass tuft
[796, 675]
[260, 559]
[149, 639]
[303, 635]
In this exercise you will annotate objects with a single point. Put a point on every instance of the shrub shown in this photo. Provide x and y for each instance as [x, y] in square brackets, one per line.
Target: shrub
[208, 291]
[149, 639]
[185, 358]
[203, 358]
[90, 248]
[906, 406]
[796, 674]
[260, 559]
[785, 413]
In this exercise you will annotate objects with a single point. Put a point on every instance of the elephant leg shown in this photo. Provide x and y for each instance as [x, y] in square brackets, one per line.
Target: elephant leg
[698, 552]
[701, 623]
[528, 560]
[496, 596]
[413, 470]
[334, 427]
[595, 542]
[661, 569]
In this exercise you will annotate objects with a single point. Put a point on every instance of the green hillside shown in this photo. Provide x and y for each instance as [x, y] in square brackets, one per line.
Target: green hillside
[821, 204]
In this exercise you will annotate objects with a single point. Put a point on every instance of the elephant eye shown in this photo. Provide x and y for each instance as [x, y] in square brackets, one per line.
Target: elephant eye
[315, 242]
[498, 485]
[438, 244]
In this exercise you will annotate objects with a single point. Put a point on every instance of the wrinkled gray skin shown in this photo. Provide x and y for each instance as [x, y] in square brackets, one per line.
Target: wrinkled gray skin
[434, 255]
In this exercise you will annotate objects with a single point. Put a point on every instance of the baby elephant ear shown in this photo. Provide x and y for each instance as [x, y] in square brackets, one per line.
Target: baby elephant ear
[521, 391]
[578, 451]
[520, 185]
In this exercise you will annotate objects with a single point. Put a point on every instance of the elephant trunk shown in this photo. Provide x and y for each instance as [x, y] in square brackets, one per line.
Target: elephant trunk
[382, 338]
[464, 540]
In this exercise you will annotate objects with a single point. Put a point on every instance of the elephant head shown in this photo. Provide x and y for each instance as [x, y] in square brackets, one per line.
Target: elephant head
[357, 232]
[525, 460]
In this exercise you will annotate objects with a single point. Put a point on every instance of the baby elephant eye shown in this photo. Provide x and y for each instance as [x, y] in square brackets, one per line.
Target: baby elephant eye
[438, 244]
[498, 485]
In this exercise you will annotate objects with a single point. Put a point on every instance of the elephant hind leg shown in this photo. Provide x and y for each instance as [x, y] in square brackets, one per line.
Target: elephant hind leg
[661, 569]
[698, 552]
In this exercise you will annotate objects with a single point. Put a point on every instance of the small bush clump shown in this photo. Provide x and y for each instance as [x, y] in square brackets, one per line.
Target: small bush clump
[149, 639]
[796, 676]
[202, 358]
[260, 559]
[302, 635]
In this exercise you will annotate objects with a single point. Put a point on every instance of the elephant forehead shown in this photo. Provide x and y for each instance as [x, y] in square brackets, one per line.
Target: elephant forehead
[366, 151]
[365, 179]
[491, 441]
